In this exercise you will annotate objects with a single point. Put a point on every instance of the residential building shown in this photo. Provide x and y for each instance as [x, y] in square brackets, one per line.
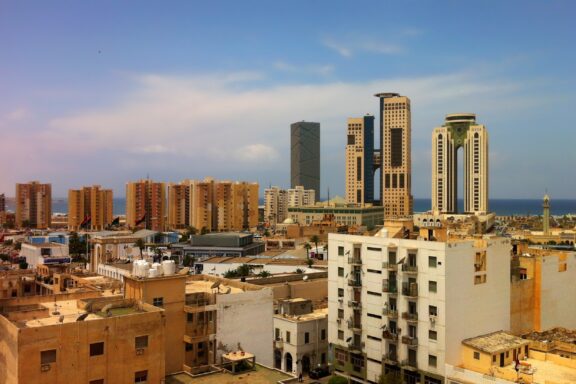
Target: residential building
[34, 205]
[460, 130]
[219, 244]
[206, 317]
[90, 208]
[45, 253]
[277, 201]
[60, 338]
[178, 205]
[2, 203]
[305, 155]
[400, 308]
[202, 204]
[300, 336]
[300, 197]
[395, 154]
[146, 205]
[359, 161]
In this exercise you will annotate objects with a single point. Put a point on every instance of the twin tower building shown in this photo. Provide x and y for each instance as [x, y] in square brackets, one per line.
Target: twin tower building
[393, 159]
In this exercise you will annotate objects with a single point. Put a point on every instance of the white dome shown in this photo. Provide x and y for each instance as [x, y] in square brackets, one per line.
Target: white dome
[288, 221]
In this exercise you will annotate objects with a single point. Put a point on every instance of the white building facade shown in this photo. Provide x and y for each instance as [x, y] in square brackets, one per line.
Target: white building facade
[399, 309]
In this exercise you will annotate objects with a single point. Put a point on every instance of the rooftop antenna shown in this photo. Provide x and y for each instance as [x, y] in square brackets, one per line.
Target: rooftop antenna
[328, 194]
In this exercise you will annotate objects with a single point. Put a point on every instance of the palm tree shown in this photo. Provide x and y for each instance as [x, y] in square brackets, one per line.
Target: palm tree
[140, 244]
[307, 246]
[315, 239]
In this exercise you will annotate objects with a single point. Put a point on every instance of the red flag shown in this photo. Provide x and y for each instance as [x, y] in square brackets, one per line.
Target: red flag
[141, 219]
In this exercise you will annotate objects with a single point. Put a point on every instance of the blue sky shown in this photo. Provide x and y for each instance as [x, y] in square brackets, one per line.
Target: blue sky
[107, 92]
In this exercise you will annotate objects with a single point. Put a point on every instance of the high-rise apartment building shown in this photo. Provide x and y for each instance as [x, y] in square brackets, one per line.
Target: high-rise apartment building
[213, 205]
[305, 155]
[395, 149]
[2, 203]
[277, 201]
[460, 130]
[90, 208]
[399, 309]
[34, 204]
[359, 161]
[146, 204]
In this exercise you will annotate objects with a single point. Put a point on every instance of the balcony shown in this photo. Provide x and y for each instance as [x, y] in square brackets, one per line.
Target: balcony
[410, 317]
[410, 364]
[389, 286]
[200, 303]
[389, 266]
[355, 326]
[355, 347]
[355, 260]
[410, 290]
[355, 283]
[391, 313]
[390, 358]
[195, 332]
[279, 343]
[392, 336]
[410, 269]
[355, 304]
[410, 341]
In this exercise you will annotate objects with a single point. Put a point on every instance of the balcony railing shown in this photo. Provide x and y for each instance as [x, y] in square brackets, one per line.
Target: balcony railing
[205, 329]
[389, 335]
[390, 358]
[410, 363]
[409, 268]
[356, 326]
[410, 316]
[389, 286]
[355, 260]
[389, 266]
[279, 343]
[409, 340]
[355, 347]
[354, 283]
[355, 304]
[410, 289]
[392, 313]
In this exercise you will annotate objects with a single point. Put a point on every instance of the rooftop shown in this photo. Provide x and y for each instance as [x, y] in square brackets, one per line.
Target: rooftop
[261, 375]
[318, 314]
[495, 342]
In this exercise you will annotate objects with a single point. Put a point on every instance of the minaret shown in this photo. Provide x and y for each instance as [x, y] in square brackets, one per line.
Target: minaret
[546, 216]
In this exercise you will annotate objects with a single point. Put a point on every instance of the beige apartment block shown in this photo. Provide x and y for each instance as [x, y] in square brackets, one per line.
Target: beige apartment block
[460, 130]
[395, 141]
[34, 204]
[178, 205]
[277, 201]
[103, 340]
[202, 203]
[146, 205]
[90, 202]
[359, 161]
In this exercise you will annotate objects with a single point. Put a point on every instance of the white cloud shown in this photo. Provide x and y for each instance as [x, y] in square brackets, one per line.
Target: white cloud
[347, 47]
[18, 114]
[321, 70]
[152, 149]
[338, 47]
[257, 153]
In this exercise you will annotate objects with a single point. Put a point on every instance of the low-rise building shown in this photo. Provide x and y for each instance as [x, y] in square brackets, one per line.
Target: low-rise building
[45, 253]
[338, 212]
[225, 244]
[300, 336]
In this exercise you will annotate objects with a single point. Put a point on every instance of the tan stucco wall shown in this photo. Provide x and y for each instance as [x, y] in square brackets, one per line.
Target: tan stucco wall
[522, 306]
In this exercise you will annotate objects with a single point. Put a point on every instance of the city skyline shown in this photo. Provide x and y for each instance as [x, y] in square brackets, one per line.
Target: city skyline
[91, 96]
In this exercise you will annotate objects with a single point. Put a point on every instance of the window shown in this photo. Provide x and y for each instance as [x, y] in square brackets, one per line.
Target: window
[158, 302]
[323, 334]
[493, 358]
[340, 313]
[99, 381]
[48, 357]
[340, 292]
[306, 337]
[287, 336]
[374, 293]
[141, 342]
[374, 271]
[432, 286]
[340, 335]
[432, 335]
[277, 333]
[432, 261]
[340, 271]
[480, 279]
[97, 349]
[432, 310]
[340, 251]
[477, 355]
[188, 347]
[141, 377]
[374, 316]
[431, 360]
[190, 317]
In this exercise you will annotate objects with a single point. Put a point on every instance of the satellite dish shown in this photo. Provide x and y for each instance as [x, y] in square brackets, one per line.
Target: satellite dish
[305, 278]
[215, 285]
[61, 319]
[82, 316]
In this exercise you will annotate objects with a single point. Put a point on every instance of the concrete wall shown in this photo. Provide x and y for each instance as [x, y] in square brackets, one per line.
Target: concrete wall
[558, 307]
[314, 290]
[522, 306]
[8, 352]
[245, 320]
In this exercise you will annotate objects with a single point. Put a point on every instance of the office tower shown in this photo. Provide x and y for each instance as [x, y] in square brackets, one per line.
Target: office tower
[460, 131]
[305, 155]
[34, 205]
[359, 161]
[145, 205]
[178, 205]
[546, 216]
[395, 149]
[90, 208]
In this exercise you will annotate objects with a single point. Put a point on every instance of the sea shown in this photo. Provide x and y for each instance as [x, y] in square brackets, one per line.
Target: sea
[502, 207]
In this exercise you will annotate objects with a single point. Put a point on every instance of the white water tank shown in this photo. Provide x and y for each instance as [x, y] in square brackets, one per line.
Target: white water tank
[141, 268]
[168, 267]
[158, 267]
[152, 272]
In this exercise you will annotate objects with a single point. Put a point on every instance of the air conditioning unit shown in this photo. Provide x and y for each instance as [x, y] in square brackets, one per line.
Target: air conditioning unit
[339, 321]
[44, 367]
[139, 351]
[433, 319]
[340, 299]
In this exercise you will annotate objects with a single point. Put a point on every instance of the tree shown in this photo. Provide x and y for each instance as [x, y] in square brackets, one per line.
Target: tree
[4, 257]
[188, 261]
[189, 232]
[26, 224]
[299, 271]
[76, 245]
[337, 380]
[140, 244]
[315, 239]
[310, 262]
[264, 274]
[23, 264]
[307, 246]
[244, 270]
[204, 231]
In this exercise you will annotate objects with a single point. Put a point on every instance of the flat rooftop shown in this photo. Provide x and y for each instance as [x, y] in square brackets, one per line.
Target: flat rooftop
[495, 342]
[260, 375]
[317, 314]
[197, 286]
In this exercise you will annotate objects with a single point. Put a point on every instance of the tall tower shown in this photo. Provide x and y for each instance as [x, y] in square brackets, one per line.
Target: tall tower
[145, 205]
[460, 130]
[305, 156]
[546, 215]
[359, 161]
[395, 149]
[89, 208]
[34, 204]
